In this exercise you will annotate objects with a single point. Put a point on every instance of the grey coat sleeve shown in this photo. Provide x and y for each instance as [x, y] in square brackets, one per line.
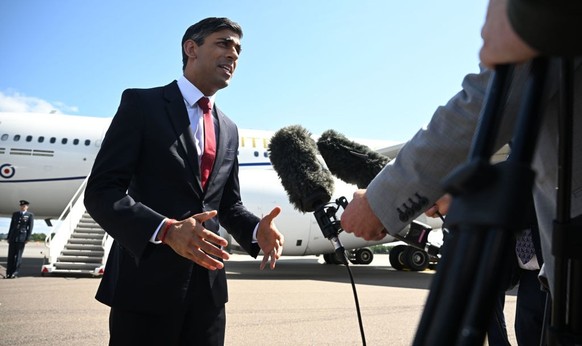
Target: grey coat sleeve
[434, 151]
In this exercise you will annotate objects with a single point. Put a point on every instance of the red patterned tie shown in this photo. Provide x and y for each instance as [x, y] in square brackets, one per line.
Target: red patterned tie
[209, 141]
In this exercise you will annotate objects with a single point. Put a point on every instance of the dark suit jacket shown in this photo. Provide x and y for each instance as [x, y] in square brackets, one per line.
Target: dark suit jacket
[146, 170]
[20, 227]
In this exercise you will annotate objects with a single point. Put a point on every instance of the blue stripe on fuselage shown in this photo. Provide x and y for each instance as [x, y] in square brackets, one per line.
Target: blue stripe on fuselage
[250, 164]
[42, 180]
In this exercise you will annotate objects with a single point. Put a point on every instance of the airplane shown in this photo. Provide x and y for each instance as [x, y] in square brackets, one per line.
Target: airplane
[45, 158]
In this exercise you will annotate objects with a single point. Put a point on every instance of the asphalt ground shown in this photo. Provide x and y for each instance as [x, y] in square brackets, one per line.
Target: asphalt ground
[301, 302]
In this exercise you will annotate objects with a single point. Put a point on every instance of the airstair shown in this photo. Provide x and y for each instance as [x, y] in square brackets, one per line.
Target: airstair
[79, 246]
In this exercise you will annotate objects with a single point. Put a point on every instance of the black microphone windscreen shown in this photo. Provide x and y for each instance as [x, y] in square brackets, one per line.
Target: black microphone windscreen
[293, 154]
[351, 162]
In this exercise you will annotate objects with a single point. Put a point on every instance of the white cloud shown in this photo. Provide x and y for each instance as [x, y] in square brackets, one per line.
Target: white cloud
[12, 101]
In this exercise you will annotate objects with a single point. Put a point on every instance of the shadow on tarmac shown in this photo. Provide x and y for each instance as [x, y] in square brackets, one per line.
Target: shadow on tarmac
[288, 269]
[30, 267]
[312, 269]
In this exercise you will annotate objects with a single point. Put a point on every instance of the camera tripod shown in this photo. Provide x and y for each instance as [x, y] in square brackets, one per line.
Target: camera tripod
[488, 207]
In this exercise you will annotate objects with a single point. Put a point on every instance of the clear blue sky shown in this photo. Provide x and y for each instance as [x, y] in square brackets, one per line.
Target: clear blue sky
[368, 69]
[321, 64]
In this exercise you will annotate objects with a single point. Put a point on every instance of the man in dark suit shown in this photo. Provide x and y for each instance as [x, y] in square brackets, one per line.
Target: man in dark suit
[164, 279]
[18, 235]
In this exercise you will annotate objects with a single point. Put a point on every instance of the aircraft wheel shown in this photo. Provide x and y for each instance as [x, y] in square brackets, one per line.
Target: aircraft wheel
[415, 259]
[364, 256]
[396, 257]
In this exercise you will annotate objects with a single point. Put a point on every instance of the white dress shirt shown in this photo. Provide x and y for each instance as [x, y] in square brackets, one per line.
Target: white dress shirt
[195, 114]
[191, 96]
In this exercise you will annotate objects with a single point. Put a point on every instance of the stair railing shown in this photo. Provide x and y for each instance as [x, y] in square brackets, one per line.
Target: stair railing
[66, 223]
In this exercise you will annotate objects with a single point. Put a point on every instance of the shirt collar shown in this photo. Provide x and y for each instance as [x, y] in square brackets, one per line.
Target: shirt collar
[191, 93]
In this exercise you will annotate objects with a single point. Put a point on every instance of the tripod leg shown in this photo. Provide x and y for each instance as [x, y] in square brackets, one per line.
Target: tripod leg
[496, 253]
[448, 296]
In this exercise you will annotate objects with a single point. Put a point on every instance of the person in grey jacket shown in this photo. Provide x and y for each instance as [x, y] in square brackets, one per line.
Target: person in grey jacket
[441, 146]
[444, 143]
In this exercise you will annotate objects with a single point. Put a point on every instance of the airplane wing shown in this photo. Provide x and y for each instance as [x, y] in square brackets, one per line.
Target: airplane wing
[391, 151]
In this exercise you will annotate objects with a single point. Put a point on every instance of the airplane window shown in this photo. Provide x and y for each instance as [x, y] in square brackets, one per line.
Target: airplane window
[53, 140]
[28, 138]
[41, 139]
[4, 136]
[87, 142]
[75, 141]
[16, 138]
[265, 154]
[64, 141]
[256, 154]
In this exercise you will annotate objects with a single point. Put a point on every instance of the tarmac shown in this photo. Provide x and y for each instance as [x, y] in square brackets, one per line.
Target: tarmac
[302, 302]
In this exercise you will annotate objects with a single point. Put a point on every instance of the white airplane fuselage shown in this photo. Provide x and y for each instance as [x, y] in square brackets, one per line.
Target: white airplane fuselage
[44, 158]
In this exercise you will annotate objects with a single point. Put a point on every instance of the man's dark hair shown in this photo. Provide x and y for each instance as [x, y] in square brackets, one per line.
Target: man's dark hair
[199, 31]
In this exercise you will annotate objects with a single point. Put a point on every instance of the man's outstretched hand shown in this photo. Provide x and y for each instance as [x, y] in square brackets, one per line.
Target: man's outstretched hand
[269, 238]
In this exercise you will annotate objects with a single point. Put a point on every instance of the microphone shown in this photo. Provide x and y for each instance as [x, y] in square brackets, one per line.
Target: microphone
[357, 164]
[293, 154]
[308, 184]
[351, 162]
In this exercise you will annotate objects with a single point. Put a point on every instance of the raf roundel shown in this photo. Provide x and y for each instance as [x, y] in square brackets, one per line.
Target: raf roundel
[7, 171]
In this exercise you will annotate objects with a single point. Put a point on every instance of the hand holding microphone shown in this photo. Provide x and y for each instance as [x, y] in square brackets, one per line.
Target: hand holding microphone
[358, 164]
[367, 225]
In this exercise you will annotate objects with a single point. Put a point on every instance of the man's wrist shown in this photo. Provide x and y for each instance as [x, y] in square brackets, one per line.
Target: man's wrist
[165, 229]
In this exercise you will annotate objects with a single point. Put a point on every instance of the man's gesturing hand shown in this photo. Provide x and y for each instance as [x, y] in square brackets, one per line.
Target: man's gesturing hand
[191, 240]
[270, 240]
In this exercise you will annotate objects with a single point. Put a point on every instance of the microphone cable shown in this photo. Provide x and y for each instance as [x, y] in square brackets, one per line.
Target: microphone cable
[357, 306]
[341, 254]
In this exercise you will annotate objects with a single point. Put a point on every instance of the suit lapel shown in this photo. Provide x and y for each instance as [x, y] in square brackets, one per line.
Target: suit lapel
[181, 124]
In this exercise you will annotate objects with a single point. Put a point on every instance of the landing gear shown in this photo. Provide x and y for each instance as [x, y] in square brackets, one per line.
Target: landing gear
[403, 257]
[361, 256]
[356, 256]
[396, 257]
[415, 259]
